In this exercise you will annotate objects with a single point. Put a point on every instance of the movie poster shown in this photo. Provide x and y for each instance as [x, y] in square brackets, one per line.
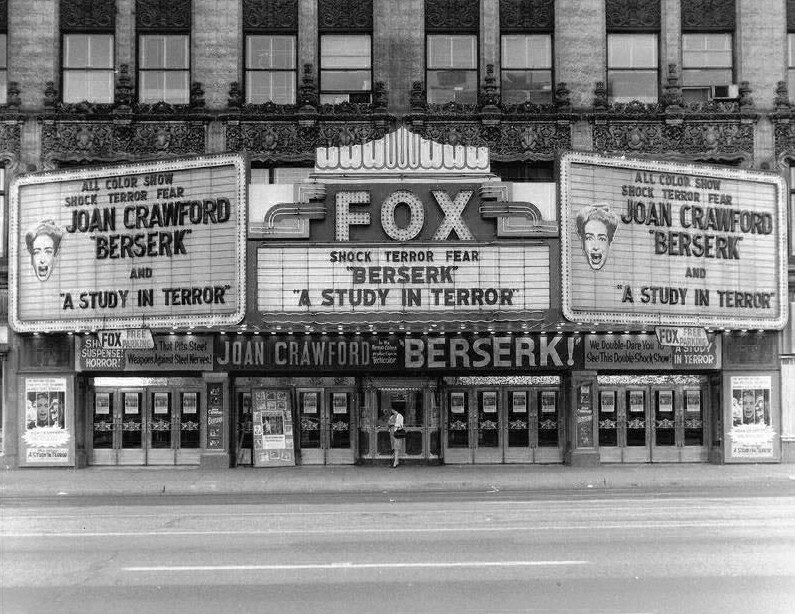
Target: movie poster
[273, 428]
[752, 435]
[47, 437]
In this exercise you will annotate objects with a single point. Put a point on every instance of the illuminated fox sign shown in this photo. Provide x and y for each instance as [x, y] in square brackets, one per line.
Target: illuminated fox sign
[349, 214]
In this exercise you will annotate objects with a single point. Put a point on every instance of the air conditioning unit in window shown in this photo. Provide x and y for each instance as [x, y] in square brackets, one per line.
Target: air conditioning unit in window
[725, 92]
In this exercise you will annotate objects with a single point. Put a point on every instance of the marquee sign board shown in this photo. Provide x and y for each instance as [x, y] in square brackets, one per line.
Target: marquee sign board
[403, 282]
[158, 244]
[661, 243]
[413, 252]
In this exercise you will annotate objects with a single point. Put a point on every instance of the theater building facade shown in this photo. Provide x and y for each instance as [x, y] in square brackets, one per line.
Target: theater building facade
[172, 313]
[546, 231]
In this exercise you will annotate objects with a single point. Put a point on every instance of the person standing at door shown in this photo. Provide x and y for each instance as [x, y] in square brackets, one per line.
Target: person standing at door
[395, 423]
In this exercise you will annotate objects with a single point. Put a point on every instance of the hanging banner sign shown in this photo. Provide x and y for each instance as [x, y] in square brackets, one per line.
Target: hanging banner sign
[158, 244]
[171, 352]
[663, 243]
[410, 354]
[682, 336]
[644, 353]
[126, 339]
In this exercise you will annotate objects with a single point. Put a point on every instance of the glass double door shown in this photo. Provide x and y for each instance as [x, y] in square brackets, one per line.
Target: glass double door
[652, 423]
[326, 425]
[145, 425]
[503, 425]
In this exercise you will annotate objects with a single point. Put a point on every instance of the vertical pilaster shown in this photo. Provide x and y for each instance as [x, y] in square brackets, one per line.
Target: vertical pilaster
[398, 48]
[670, 39]
[217, 48]
[761, 47]
[125, 34]
[307, 37]
[33, 38]
[489, 37]
[580, 48]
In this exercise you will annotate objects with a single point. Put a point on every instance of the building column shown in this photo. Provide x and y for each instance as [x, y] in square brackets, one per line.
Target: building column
[580, 48]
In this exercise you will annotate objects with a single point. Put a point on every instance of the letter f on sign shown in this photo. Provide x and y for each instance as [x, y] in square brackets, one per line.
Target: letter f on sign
[452, 210]
[347, 218]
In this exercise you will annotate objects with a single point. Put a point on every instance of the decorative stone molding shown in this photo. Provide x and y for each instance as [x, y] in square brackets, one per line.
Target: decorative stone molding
[88, 15]
[153, 15]
[697, 140]
[511, 140]
[781, 101]
[345, 15]
[708, 15]
[527, 16]
[452, 15]
[270, 16]
[401, 153]
[289, 142]
[82, 141]
[13, 95]
[562, 97]
[235, 99]
[197, 96]
[672, 98]
[632, 15]
[10, 138]
[600, 96]
[123, 93]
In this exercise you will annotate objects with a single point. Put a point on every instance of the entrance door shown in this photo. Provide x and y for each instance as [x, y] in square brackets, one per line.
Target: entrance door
[160, 431]
[549, 433]
[487, 424]
[147, 425]
[521, 425]
[679, 424]
[652, 419]
[244, 429]
[106, 427]
[417, 401]
[326, 425]
[132, 426]
[636, 424]
[458, 427]
[119, 426]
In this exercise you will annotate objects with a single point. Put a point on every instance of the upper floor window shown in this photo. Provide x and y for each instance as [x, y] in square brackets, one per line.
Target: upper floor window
[707, 66]
[87, 71]
[632, 67]
[452, 62]
[270, 69]
[526, 68]
[345, 68]
[3, 69]
[164, 68]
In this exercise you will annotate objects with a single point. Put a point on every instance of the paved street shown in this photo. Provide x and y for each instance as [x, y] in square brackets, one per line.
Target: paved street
[478, 552]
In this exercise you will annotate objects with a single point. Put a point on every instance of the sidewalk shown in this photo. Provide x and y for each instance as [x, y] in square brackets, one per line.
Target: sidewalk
[146, 481]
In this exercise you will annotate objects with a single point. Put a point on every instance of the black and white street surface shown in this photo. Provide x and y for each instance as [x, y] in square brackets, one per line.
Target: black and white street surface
[665, 546]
